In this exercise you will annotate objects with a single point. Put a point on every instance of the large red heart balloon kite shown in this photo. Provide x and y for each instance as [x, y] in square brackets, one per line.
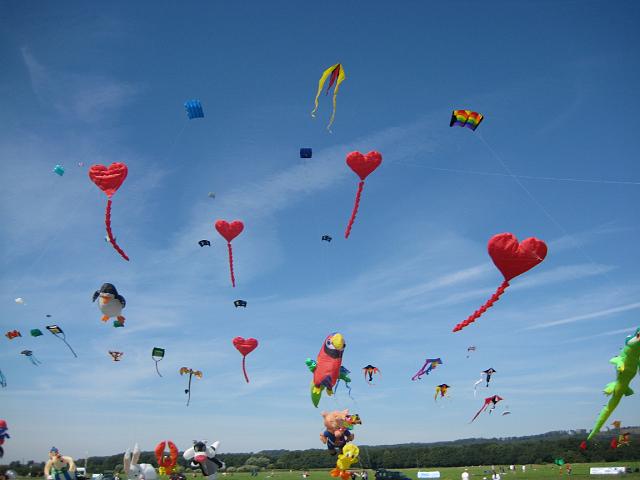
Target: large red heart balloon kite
[245, 346]
[230, 231]
[362, 165]
[512, 259]
[109, 179]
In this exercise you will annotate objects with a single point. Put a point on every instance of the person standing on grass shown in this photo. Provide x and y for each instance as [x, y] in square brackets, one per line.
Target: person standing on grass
[465, 475]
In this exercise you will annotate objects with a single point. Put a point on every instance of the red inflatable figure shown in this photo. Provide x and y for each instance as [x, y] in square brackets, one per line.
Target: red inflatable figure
[230, 231]
[166, 464]
[327, 368]
[109, 179]
[512, 259]
[245, 346]
[362, 165]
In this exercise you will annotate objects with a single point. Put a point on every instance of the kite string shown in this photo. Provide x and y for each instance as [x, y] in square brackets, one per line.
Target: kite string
[50, 241]
[355, 209]
[526, 177]
[112, 241]
[584, 253]
[475, 315]
[244, 370]
[157, 367]
[233, 278]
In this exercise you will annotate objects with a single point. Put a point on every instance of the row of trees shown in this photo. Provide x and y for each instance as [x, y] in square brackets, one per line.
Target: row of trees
[528, 450]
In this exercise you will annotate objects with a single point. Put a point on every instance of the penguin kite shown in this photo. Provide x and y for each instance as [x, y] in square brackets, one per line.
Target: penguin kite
[111, 304]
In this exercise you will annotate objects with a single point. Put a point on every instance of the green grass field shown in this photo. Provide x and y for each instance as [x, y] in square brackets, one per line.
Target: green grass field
[533, 472]
[453, 473]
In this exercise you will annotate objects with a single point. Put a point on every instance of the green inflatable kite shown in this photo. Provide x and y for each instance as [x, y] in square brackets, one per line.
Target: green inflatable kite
[627, 364]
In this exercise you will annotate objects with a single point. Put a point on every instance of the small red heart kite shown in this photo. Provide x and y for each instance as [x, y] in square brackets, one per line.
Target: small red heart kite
[512, 259]
[245, 346]
[230, 231]
[362, 165]
[109, 179]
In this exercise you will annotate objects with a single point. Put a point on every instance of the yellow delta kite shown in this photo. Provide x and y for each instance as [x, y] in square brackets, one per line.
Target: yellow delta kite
[335, 74]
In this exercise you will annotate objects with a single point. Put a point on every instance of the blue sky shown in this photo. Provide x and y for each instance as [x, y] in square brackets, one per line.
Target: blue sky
[102, 83]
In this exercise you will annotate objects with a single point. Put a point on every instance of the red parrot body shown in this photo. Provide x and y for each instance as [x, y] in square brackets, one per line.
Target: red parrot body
[327, 368]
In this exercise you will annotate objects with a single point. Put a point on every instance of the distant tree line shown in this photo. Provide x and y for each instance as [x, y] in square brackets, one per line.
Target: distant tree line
[537, 449]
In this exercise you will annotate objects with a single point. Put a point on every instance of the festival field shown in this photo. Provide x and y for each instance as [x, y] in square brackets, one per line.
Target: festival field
[450, 473]
[255, 239]
[453, 473]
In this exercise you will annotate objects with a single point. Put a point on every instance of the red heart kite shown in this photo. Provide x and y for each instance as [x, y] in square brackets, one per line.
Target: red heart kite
[362, 165]
[109, 180]
[230, 231]
[245, 346]
[512, 259]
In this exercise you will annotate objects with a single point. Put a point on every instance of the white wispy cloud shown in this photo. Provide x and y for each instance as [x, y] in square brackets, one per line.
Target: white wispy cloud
[630, 329]
[88, 97]
[561, 274]
[582, 238]
[586, 316]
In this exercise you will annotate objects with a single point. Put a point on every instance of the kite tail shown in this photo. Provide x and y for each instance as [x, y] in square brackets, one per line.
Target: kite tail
[475, 387]
[233, 278]
[323, 79]
[348, 387]
[473, 317]
[107, 222]
[333, 113]
[479, 412]
[355, 210]
[67, 344]
[159, 374]
[244, 370]
[604, 415]
[189, 389]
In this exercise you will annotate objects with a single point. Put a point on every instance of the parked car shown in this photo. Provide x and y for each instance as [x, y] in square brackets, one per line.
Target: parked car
[382, 474]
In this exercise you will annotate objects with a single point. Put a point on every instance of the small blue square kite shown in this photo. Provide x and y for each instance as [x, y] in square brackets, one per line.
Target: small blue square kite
[306, 153]
[194, 109]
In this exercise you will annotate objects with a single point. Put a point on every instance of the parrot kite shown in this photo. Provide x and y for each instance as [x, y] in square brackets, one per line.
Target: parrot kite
[429, 364]
[493, 401]
[442, 390]
[326, 369]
